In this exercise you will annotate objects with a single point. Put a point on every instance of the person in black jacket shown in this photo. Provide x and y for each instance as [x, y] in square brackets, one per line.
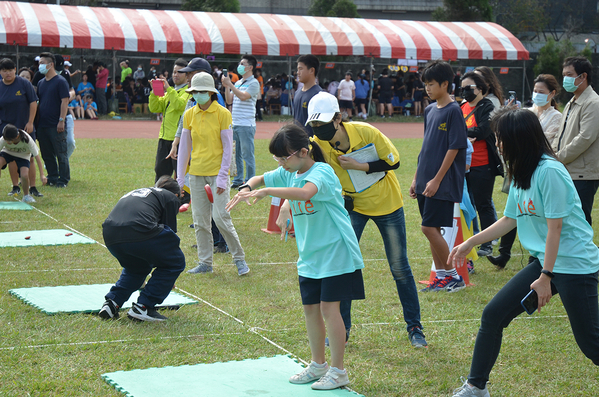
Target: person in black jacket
[140, 233]
[486, 164]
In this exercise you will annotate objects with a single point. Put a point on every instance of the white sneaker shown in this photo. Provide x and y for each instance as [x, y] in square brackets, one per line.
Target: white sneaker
[467, 390]
[28, 199]
[332, 380]
[309, 374]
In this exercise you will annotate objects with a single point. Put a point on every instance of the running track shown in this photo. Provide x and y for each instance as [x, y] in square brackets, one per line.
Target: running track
[265, 130]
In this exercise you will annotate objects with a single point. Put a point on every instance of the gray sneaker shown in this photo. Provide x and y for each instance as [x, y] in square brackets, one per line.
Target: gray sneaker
[242, 268]
[28, 199]
[467, 390]
[331, 380]
[309, 374]
[201, 268]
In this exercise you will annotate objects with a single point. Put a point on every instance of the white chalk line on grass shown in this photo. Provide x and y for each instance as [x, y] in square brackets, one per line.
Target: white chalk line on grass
[464, 320]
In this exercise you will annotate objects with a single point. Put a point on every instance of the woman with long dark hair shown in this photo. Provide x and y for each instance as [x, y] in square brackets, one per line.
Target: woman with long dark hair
[543, 203]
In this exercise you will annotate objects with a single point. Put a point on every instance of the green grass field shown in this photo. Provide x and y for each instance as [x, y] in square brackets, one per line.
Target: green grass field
[64, 355]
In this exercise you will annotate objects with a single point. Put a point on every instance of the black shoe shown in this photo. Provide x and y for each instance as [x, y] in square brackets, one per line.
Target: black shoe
[34, 192]
[15, 190]
[142, 313]
[109, 310]
[500, 260]
[61, 185]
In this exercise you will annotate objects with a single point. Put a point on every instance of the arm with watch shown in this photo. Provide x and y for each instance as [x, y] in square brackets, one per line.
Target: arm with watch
[64, 104]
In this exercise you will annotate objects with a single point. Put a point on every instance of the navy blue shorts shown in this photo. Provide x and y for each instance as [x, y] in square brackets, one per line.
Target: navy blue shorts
[435, 213]
[348, 286]
[9, 159]
[346, 104]
[361, 101]
[385, 98]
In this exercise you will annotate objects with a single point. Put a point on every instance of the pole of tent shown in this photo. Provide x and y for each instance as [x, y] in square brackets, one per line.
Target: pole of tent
[523, 81]
[371, 74]
[291, 92]
[114, 67]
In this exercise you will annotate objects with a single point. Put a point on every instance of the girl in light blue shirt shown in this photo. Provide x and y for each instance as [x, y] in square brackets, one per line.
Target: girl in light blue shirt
[545, 206]
[330, 262]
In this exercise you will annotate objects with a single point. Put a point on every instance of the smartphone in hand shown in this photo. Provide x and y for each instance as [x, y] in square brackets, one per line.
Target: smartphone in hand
[512, 95]
[530, 303]
[158, 87]
[225, 73]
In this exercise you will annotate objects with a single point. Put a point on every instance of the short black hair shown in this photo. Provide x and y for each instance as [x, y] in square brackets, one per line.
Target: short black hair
[385, 72]
[440, 72]
[479, 81]
[49, 56]
[167, 183]
[310, 61]
[181, 62]
[581, 65]
[7, 64]
[251, 60]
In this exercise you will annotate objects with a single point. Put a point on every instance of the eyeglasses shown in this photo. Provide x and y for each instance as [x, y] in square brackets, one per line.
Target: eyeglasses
[284, 159]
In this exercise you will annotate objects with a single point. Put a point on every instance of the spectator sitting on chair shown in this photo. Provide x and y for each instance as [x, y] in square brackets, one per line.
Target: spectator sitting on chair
[91, 109]
[75, 108]
[84, 88]
[273, 95]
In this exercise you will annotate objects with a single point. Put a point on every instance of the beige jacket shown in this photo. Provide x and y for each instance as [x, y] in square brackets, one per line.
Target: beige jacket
[576, 144]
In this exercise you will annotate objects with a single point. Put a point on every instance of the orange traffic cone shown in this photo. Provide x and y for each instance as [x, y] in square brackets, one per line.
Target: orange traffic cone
[454, 236]
[275, 208]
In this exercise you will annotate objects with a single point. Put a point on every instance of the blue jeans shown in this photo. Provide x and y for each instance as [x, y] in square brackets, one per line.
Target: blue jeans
[53, 147]
[138, 259]
[243, 135]
[578, 293]
[586, 191]
[69, 125]
[393, 230]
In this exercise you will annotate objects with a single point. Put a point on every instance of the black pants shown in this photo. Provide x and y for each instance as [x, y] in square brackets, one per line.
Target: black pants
[481, 181]
[163, 165]
[579, 296]
[53, 147]
[586, 191]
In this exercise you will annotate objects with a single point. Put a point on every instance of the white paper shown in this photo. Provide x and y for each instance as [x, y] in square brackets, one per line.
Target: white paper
[360, 179]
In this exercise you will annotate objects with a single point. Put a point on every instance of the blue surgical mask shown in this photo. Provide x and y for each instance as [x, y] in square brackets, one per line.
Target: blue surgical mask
[201, 98]
[569, 83]
[540, 99]
[241, 69]
[138, 68]
[43, 69]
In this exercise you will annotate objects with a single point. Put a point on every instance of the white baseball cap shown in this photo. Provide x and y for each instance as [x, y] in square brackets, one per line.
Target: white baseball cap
[67, 63]
[37, 58]
[322, 107]
[202, 82]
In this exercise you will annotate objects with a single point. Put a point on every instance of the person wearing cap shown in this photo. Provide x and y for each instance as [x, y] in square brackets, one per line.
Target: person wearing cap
[381, 201]
[171, 105]
[207, 139]
[346, 92]
[243, 94]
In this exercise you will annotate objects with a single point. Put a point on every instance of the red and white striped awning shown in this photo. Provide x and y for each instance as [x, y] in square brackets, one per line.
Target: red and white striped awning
[186, 32]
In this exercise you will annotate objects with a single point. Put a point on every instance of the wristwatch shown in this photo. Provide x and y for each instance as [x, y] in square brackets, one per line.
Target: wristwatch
[244, 186]
[548, 273]
[61, 119]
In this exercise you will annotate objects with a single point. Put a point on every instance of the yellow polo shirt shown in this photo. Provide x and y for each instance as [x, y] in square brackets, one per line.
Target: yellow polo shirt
[205, 127]
[382, 198]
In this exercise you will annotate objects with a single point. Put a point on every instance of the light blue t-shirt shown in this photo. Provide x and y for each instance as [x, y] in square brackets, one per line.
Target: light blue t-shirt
[552, 195]
[326, 241]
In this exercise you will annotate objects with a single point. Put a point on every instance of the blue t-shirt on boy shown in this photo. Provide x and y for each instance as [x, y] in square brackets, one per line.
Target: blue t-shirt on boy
[444, 129]
[326, 241]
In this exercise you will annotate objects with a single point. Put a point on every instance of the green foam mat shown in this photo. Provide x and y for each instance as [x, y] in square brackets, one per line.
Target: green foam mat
[81, 298]
[266, 376]
[42, 237]
[15, 205]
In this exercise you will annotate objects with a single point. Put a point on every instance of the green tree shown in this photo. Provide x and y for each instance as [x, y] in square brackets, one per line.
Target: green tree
[520, 16]
[211, 5]
[464, 11]
[333, 8]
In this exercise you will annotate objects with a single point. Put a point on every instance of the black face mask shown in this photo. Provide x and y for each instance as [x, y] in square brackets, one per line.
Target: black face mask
[468, 94]
[325, 132]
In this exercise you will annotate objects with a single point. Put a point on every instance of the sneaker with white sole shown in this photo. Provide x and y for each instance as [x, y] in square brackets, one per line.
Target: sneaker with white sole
[109, 310]
[34, 192]
[201, 268]
[309, 374]
[432, 286]
[417, 338]
[467, 390]
[242, 268]
[28, 199]
[331, 380]
[15, 191]
[142, 313]
[455, 285]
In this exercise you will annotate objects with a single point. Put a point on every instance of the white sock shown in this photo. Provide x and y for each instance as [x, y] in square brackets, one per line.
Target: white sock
[316, 365]
[339, 371]
[453, 273]
[440, 273]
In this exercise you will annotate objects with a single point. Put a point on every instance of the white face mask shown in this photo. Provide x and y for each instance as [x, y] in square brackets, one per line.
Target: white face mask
[540, 99]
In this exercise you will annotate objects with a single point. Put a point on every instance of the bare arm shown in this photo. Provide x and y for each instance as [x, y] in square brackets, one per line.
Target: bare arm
[433, 185]
[32, 112]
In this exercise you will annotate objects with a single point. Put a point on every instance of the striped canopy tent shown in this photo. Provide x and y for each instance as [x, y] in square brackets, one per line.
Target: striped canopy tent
[186, 32]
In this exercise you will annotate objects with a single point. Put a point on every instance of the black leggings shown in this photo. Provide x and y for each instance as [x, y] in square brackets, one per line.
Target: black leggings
[579, 297]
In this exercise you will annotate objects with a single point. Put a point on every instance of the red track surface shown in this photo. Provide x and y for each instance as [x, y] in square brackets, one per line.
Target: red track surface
[149, 129]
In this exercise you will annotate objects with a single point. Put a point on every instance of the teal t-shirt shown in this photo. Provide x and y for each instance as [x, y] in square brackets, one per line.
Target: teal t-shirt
[326, 241]
[552, 195]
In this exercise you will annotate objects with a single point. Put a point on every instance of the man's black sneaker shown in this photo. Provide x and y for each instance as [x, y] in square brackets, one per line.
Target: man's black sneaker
[61, 185]
[34, 192]
[142, 313]
[15, 190]
[109, 310]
